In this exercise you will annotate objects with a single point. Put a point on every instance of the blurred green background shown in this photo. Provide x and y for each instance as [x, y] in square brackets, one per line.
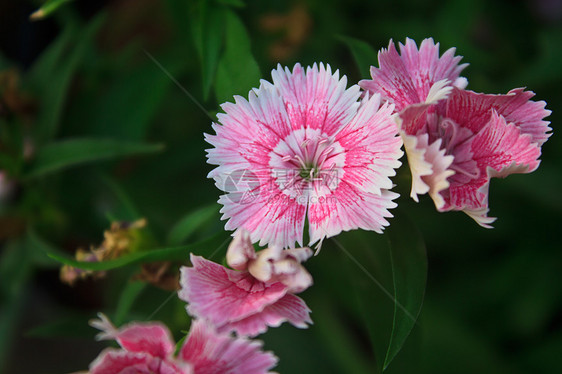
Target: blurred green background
[493, 301]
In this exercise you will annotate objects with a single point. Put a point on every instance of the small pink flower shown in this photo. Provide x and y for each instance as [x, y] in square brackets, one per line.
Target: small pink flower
[457, 140]
[149, 348]
[305, 147]
[248, 300]
[415, 76]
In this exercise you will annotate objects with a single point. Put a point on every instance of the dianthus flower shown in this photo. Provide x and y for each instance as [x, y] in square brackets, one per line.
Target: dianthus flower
[149, 348]
[457, 140]
[260, 293]
[305, 147]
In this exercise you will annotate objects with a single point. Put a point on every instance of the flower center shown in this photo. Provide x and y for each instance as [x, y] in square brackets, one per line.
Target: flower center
[310, 157]
[456, 140]
[308, 172]
[307, 160]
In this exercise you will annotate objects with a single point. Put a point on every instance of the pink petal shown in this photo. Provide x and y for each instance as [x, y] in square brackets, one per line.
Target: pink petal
[472, 195]
[244, 141]
[427, 68]
[348, 209]
[413, 119]
[316, 99]
[505, 148]
[151, 337]
[116, 361]
[406, 78]
[361, 199]
[212, 353]
[273, 217]
[499, 149]
[472, 110]
[113, 361]
[372, 147]
[249, 130]
[221, 295]
[290, 309]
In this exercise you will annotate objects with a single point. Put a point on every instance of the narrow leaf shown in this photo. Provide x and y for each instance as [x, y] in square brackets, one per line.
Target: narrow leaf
[52, 74]
[207, 248]
[38, 249]
[130, 293]
[51, 58]
[124, 209]
[207, 28]
[363, 54]
[409, 269]
[190, 223]
[46, 9]
[127, 108]
[389, 274]
[64, 154]
[15, 271]
[237, 71]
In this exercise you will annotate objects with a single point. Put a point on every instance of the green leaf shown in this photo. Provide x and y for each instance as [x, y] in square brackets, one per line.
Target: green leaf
[190, 223]
[363, 54]
[389, 275]
[180, 343]
[237, 71]
[39, 248]
[206, 248]
[130, 293]
[124, 209]
[409, 270]
[207, 28]
[50, 60]
[127, 108]
[47, 9]
[52, 74]
[64, 154]
[15, 271]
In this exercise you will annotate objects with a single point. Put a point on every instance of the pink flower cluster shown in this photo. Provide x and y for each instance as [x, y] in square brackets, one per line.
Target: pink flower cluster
[323, 154]
[259, 293]
[306, 149]
[456, 140]
[149, 348]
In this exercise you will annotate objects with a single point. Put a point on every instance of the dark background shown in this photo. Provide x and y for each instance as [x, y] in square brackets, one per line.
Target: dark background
[493, 301]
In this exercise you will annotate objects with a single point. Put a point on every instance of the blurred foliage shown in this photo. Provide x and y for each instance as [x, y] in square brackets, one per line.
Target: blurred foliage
[84, 113]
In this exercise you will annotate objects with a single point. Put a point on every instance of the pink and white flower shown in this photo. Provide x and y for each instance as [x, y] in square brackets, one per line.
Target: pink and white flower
[149, 348]
[257, 295]
[415, 76]
[457, 140]
[305, 147]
